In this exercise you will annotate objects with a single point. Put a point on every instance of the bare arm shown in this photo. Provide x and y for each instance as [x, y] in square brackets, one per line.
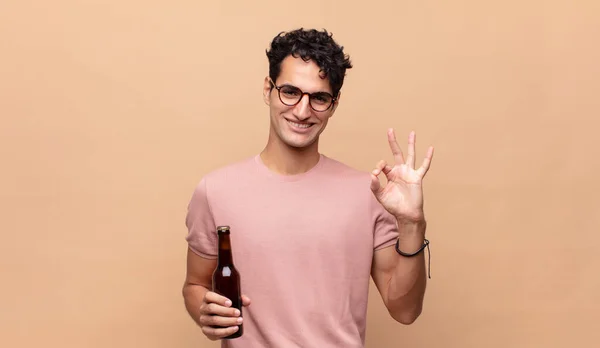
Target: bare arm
[198, 281]
[401, 280]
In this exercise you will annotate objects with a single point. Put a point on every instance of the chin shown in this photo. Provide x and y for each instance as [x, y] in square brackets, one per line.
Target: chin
[299, 144]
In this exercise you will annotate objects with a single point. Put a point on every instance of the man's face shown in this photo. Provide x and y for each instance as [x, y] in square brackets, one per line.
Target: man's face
[298, 126]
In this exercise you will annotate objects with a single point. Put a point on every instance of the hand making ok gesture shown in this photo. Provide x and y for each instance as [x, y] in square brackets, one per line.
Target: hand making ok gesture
[402, 195]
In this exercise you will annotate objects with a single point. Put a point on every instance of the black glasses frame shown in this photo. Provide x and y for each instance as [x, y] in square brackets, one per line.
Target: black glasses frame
[310, 96]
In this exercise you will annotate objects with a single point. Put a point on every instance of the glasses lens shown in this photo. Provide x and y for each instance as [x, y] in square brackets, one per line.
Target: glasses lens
[321, 101]
[290, 95]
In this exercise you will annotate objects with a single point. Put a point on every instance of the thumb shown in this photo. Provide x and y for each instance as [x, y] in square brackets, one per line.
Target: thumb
[245, 300]
[381, 167]
[375, 184]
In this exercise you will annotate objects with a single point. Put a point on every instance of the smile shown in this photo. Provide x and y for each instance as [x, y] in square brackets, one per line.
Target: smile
[300, 125]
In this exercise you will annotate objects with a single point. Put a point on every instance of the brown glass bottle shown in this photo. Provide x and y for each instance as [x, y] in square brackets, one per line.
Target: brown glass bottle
[226, 278]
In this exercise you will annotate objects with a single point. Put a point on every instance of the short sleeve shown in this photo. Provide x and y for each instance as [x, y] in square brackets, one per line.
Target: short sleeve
[385, 226]
[201, 237]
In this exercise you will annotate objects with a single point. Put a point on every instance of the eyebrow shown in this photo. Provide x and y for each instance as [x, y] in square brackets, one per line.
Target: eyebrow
[291, 85]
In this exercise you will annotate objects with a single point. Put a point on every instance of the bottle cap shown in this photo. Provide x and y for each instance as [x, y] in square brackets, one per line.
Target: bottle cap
[222, 228]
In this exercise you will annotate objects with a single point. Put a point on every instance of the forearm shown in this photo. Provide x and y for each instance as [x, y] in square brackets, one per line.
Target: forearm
[192, 296]
[406, 287]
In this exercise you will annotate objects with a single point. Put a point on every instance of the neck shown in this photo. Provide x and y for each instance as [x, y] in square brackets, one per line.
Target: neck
[286, 160]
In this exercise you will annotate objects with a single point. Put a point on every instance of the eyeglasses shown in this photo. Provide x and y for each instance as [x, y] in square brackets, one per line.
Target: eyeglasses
[291, 95]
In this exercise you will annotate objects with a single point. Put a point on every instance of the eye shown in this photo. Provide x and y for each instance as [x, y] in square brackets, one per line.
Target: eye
[322, 98]
[290, 91]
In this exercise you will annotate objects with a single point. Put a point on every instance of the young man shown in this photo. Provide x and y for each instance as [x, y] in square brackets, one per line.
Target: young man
[307, 231]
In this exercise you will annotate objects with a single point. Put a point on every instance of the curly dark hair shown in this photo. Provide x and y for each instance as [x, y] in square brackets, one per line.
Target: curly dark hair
[314, 45]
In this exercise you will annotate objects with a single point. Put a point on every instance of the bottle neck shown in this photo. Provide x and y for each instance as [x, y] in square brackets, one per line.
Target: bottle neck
[225, 257]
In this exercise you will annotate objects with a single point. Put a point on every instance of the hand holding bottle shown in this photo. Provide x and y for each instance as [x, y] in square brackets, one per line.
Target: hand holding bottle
[218, 319]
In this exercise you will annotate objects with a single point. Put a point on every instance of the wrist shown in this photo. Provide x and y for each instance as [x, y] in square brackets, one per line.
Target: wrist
[412, 217]
[411, 234]
[418, 251]
[411, 238]
[411, 229]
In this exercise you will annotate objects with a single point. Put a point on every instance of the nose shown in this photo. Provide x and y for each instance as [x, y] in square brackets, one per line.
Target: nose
[302, 110]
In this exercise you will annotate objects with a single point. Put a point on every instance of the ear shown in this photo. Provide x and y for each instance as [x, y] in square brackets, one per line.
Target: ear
[267, 88]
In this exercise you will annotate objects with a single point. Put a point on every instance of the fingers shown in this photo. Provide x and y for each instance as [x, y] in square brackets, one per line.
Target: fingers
[426, 162]
[213, 297]
[387, 169]
[245, 300]
[381, 166]
[375, 184]
[399, 159]
[215, 309]
[410, 159]
[217, 333]
[217, 318]
[396, 151]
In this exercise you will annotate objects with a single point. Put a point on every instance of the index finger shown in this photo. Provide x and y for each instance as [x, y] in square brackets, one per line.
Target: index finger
[213, 297]
[396, 151]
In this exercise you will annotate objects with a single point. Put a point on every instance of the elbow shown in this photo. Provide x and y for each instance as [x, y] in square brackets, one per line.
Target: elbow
[407, 320]
[407, 317]
[187, 292]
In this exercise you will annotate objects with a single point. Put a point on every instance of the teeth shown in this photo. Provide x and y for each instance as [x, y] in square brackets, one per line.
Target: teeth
[300, 125]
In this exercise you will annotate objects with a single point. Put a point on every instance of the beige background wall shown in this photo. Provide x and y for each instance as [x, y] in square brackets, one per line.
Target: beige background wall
[112, 111]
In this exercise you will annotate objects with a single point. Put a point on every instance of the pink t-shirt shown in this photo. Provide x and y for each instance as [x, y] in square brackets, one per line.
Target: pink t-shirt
[303, 245]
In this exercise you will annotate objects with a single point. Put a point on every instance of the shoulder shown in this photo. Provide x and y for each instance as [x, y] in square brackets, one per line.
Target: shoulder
[233, 167]
[224, 175]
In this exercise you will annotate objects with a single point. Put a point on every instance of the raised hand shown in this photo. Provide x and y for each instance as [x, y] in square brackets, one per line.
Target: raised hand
[402, 195]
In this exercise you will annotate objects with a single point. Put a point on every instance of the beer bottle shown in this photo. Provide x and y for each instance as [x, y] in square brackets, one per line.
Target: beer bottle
[226, 278]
